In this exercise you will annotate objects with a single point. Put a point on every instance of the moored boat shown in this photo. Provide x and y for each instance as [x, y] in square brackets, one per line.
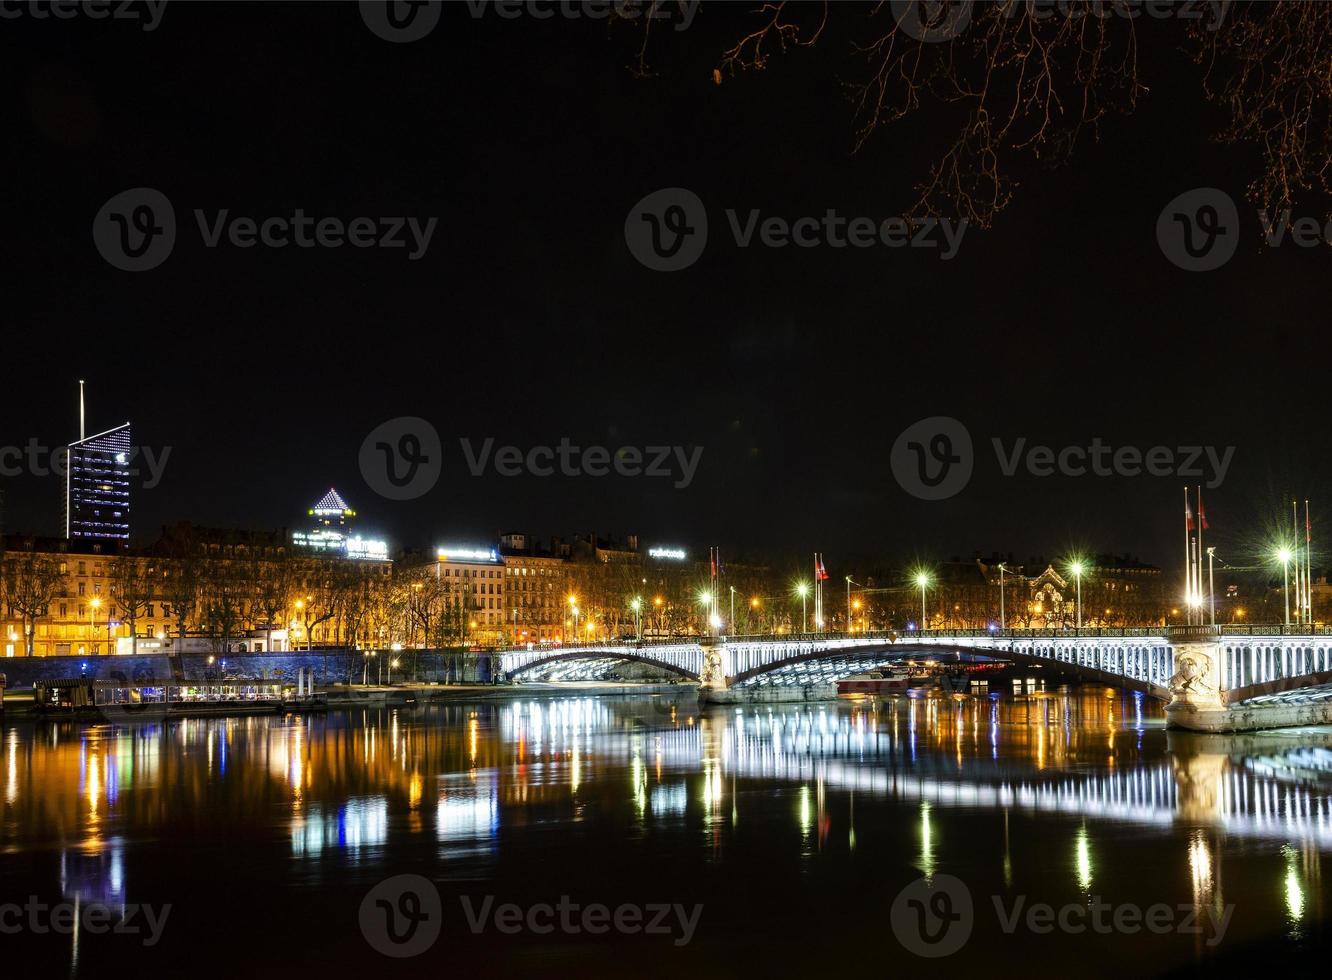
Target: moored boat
[874, 682]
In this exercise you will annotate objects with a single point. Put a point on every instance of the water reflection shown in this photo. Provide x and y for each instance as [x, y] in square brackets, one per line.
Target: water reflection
[960, 779]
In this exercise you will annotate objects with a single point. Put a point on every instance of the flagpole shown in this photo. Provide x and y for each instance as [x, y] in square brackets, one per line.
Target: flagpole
[1188, 554]
[1299, 565]
[1211, 584]
[1202, 522]
[1308, 559]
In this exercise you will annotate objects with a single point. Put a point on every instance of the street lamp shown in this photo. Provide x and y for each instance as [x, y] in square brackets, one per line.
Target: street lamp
[705, 599]
[1076, 569]
[923, 580]
[1002, 622]
[573, 608]
[93, 606]
[802, 590]
[731, 625]
[1284, 556]
[637, 605]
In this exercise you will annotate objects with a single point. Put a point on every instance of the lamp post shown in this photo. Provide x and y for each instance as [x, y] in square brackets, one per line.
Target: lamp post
[1076, 569]
[573, 609]
[637, 605]
[365, 671]
[1002, 622]
[709, 616]
[1284, 556]
[848, 605]
[730, 627]
[92, 618]
[803, 590]
[923, 580]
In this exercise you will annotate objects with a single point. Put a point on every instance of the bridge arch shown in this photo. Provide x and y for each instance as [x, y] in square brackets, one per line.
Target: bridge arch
[675, 665]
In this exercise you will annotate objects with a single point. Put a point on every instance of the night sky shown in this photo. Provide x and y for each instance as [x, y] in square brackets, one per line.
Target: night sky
[528, 320]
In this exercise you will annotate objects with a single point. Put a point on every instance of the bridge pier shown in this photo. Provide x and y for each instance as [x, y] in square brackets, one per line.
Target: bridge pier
[1198, 691]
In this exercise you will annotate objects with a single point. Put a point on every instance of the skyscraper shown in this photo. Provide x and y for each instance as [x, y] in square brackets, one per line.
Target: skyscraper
[97, 487]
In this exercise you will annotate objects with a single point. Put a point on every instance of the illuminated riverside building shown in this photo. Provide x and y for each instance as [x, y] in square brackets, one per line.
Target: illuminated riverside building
[97, 487]
[331, 534]
[534, 592]
[474, 576]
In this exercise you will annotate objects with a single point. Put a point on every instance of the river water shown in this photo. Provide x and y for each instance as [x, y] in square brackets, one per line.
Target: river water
[584, 836]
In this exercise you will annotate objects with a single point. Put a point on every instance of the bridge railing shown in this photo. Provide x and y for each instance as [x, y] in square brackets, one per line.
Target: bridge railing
[906, 635]
[1166, 632]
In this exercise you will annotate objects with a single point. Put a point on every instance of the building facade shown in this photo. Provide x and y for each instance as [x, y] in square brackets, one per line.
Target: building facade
[97, 487]
[535, 593]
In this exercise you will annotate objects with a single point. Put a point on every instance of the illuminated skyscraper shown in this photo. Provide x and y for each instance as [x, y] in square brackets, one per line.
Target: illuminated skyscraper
[331, 531]
[97, 487]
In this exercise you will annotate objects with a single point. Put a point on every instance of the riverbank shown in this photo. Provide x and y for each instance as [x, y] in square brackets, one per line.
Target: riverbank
[20, 703]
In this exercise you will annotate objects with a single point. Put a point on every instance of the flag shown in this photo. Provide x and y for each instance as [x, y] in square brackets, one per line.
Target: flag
[712, 554]
[1188, 514]
[1202, 512]
[820, 573]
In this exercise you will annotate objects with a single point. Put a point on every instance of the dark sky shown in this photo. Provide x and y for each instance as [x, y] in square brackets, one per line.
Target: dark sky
[528, 319]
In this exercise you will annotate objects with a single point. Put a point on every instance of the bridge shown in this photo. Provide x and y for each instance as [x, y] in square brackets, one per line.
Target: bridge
[1216, 678]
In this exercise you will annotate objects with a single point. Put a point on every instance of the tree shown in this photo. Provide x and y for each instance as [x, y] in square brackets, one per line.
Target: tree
[1018, 79]
[133, 588]
[180, 589]
[224, 590]
[31, 582]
